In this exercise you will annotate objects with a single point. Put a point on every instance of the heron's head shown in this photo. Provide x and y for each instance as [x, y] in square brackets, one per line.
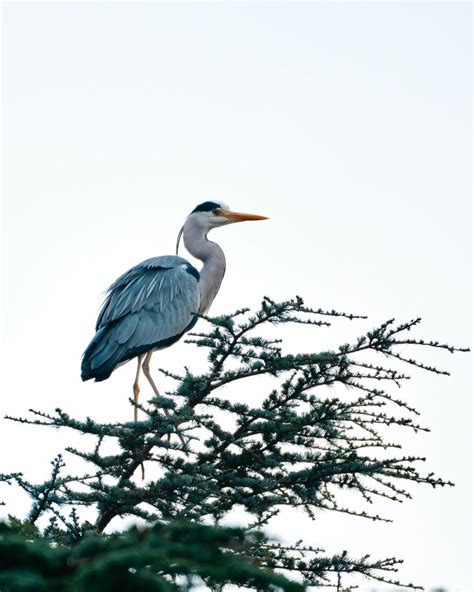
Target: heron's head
[211, 214]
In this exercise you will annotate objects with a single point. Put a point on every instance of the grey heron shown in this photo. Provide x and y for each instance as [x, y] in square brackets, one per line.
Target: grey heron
[154, 304]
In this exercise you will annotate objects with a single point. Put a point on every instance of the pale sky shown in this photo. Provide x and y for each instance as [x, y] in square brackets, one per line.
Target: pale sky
[347, 124]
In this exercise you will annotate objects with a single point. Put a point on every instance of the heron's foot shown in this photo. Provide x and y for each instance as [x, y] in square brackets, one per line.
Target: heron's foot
[180, 436]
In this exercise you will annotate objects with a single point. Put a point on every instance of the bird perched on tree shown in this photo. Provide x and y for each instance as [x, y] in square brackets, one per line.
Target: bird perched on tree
[154, 304]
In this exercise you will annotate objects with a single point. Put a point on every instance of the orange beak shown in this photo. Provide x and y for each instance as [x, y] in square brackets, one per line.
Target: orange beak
[239, 216]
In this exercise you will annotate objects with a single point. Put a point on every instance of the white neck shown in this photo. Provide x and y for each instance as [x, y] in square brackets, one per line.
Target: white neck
[212, 256]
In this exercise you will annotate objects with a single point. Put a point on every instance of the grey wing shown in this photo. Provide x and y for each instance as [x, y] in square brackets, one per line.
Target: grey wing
[154, 280]
[149, 307]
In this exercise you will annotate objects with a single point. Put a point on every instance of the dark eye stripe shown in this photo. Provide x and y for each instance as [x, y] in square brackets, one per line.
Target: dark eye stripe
[206, 206]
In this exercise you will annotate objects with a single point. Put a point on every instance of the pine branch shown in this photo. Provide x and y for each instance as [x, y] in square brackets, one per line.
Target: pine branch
[321, 430]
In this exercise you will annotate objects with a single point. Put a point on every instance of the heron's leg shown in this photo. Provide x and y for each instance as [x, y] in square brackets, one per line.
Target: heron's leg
[136, 392]
[146, 372]
[136, 388]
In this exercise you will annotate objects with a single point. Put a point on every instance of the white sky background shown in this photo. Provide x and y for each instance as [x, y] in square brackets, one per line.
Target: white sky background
[347, 124]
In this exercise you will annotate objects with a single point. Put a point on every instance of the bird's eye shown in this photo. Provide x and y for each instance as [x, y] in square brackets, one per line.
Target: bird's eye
[215, 212]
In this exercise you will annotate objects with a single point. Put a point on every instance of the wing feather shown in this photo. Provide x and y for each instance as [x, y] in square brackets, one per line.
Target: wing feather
[150, 283]
[148, 307]
[126, 328]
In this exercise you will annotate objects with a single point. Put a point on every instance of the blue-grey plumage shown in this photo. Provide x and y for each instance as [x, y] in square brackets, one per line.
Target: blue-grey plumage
[147, 308]
[155, 303]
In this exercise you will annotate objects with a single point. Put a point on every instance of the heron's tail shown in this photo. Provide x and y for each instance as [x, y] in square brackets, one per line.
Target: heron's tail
[101, 357]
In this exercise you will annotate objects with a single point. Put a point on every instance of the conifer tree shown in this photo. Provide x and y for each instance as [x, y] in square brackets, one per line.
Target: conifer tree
[299, 446]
